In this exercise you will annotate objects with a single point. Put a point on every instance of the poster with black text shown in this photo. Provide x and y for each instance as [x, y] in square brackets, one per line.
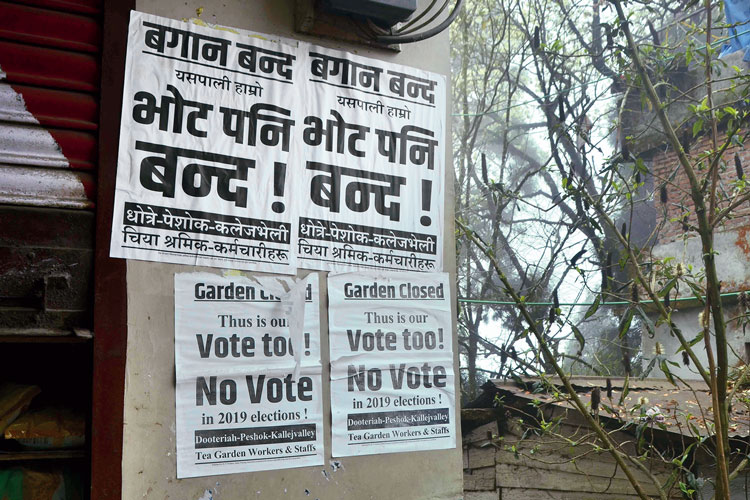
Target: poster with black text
[241, 151]
[392, 377]
[205, 141]
[247, 354]
[372, 162]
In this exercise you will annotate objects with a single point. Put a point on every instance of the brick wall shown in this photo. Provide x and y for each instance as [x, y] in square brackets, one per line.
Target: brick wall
[678, 190]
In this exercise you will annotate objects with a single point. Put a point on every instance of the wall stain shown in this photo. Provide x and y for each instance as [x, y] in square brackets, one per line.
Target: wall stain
[742, 240]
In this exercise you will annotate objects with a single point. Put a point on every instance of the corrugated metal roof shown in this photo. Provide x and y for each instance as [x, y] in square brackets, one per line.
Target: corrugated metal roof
[683, 409]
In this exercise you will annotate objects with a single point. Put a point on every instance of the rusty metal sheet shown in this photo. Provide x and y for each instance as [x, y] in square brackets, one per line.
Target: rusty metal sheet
[42, 27]
[49, 67]
[45, 187]
[47, 107]
[682, 408]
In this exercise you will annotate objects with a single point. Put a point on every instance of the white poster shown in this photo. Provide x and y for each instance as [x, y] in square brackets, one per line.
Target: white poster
[205, 141]
[392, 377]
[372, 163]
[244, 153]
[249, 388]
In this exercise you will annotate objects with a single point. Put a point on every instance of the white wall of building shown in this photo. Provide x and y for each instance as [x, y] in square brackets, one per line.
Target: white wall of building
[149, 469]
[733, 267]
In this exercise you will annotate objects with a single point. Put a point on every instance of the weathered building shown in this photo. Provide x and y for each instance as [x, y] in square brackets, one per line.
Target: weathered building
[668, 211]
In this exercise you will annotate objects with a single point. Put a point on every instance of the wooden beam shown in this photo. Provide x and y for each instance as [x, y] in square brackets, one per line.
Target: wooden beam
[110, 300]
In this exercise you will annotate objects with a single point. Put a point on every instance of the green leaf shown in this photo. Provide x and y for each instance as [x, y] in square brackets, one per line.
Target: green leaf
[625, 390]
[687, 491]
[665, 370]
[697, 127]
[695, 340]
[641, 166]
[594, 224]
[650, 327]
[697, 292]
[592, 310]
[579, 337]
[648, 369]
[670, 284]
[673, 476]
[640, 438]
[694, 429]
[625, 323]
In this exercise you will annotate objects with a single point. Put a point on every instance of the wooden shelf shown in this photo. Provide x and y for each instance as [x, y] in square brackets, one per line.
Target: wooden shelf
[12, 456]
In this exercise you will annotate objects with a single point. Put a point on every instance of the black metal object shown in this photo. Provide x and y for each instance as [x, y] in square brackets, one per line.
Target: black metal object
[46, 267]
[422, 35]
[385, 13]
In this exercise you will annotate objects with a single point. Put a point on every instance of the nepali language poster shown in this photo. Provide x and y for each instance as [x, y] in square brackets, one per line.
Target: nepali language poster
[205, 144]
[249, 386]
[392, 377]
[373, 164]
[241, 152]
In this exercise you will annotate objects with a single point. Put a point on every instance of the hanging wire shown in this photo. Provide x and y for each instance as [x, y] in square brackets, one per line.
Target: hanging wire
[402, 29]
[416, 37]
[582, 304]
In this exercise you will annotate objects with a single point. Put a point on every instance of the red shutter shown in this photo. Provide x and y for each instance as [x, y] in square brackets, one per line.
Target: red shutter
[49, 86]
[49, 109]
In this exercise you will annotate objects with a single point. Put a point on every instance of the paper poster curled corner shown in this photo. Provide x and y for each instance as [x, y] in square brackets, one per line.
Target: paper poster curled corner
[292, 297]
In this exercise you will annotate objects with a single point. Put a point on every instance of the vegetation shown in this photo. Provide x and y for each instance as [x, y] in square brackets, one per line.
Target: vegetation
[551, 196]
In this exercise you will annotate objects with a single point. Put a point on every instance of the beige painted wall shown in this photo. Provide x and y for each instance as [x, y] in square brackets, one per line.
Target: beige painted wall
[733, 269]
[149, 469]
